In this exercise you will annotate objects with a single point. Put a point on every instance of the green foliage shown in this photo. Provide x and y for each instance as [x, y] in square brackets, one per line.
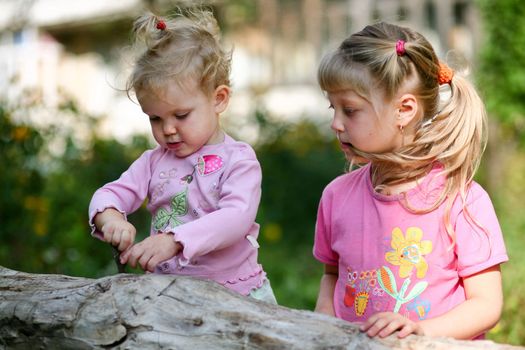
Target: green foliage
[501, 71]
[23, 211]
[44, 198]
[501, 75]
[298, 161]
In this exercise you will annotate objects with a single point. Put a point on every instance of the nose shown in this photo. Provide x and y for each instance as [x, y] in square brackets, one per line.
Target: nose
[336, 125]
[169, 127]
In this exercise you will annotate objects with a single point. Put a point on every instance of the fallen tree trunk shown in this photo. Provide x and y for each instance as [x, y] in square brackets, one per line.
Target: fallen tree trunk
[149, 311]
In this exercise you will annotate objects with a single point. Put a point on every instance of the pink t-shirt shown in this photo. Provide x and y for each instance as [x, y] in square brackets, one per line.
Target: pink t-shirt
[391, 259]
[209, 200]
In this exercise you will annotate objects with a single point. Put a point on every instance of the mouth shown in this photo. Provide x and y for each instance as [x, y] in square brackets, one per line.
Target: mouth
[173, 145]
[345, 145]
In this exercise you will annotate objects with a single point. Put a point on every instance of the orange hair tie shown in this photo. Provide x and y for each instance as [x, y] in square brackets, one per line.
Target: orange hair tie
[445, 74]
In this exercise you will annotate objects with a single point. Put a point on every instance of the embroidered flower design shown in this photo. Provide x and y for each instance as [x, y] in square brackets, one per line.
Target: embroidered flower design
[408, 252]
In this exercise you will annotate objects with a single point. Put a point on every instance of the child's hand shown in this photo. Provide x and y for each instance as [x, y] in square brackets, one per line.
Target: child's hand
[151, 251]
[119, 233]
[386, 323]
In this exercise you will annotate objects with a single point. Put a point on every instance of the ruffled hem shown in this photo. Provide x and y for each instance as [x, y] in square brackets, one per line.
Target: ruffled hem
[245, 278]
[94, 231]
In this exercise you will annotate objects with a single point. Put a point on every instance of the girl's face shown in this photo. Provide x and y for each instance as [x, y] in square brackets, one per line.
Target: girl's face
[184, 119]
[367, 125]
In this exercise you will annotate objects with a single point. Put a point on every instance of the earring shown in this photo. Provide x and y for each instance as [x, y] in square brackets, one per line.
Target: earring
[402, 130]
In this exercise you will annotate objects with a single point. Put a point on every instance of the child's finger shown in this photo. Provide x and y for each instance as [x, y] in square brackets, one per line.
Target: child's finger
[124, 256]
[389, 328]
[143, 261]
[369, 323]
[115, 239]
[107, 233]
[134, 254]
[406, 330]
[125, 240]
[152, 264]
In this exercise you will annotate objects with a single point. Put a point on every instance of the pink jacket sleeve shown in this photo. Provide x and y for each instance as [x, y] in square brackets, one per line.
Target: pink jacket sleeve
[235, 218]
[125, 194]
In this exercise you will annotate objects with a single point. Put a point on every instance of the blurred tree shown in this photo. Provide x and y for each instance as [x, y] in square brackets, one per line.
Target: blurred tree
[501, 78]
[44, 194]
[501, 70]
[298, 160]
[23, 210]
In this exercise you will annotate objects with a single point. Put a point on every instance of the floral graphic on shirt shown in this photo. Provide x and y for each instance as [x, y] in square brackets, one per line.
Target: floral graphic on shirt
[408, 252]
[178, 206]
[357, 289]
[421, 307]
[387, 281]
[206, 164]
[209, 164]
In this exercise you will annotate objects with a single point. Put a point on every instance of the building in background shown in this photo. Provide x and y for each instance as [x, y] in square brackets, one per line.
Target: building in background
[76, 49]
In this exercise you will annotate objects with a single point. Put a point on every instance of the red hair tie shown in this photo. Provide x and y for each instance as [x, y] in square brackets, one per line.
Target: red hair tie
[445, 74]
[161, 25]
[400, 47]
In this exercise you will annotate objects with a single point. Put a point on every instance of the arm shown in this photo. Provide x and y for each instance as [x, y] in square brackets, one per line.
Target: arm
[325, 300]
[111, 203]
[477, 314]
[237, 208]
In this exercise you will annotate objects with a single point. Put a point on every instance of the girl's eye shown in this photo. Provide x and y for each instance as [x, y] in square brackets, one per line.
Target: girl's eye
[348, 111]
[154, 118]
[181, 116]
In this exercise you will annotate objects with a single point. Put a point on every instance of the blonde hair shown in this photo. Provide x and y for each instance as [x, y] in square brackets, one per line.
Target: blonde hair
[184, 45]
[454, 135]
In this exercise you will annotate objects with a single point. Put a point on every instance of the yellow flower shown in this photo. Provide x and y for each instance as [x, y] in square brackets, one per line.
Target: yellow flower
[408, 251]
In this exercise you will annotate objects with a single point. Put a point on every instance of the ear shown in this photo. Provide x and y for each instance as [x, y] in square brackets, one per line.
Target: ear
[221, 96]
[407, 110]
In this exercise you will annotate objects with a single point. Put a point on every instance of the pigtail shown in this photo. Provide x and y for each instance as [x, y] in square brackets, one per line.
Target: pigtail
[150, 30]
[184, 44]
[463, 124]
[468, 124]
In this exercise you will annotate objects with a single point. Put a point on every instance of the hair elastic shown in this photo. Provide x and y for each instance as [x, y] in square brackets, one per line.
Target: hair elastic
[161, 25]
[400, 47]
[445, 74]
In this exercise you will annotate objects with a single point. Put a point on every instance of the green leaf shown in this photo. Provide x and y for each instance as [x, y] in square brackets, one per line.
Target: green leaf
[175, 222]
[161, 219]
[418, 289]
[179, 203]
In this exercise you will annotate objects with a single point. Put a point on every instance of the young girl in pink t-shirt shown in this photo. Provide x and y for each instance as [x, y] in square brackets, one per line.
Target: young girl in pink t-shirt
[203, 187]
[409, 241]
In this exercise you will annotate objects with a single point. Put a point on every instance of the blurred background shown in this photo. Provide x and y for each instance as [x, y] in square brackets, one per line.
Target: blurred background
[67, 128]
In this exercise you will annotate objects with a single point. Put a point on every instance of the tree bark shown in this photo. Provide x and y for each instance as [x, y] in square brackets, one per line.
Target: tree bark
[149, 311]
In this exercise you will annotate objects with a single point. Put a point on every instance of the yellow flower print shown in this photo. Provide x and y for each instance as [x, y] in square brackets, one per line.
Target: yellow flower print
[408, 251]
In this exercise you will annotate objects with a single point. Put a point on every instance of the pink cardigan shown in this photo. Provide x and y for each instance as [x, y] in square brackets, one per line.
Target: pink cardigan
[208, 200]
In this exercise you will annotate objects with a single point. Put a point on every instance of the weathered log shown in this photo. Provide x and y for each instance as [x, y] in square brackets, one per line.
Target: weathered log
[149, 311]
